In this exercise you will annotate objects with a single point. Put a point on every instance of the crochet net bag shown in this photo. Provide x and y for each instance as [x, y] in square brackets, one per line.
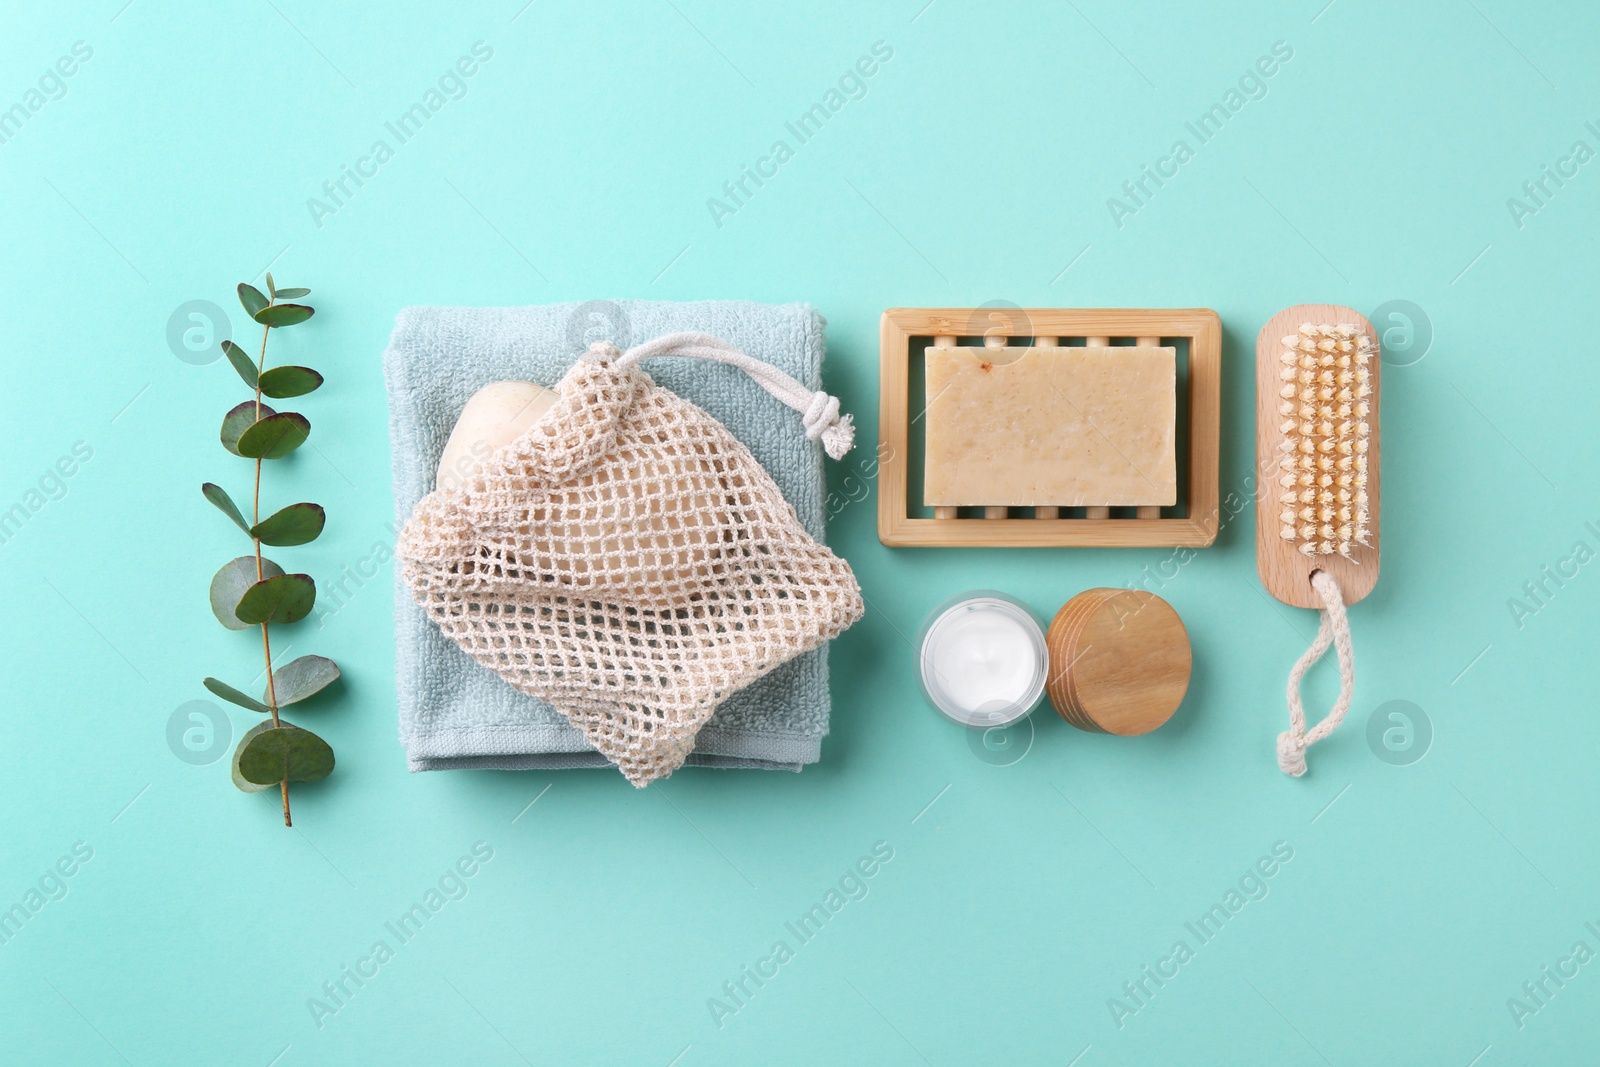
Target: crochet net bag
[628, 561]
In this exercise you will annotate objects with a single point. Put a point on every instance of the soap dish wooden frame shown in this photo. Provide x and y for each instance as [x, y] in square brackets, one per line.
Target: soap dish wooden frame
[1200, 326]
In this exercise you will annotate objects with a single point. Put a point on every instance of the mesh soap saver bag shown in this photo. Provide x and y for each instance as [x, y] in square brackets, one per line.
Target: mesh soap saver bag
[627, 560]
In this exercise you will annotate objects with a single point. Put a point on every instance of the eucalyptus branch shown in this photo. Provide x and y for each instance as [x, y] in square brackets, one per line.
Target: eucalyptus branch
[253, 591]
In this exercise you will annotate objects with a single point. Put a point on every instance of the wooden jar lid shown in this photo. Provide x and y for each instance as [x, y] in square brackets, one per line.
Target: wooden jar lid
[1119, 661]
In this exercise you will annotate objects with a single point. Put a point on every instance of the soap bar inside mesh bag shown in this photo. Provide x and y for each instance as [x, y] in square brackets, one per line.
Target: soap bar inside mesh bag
[628, 561]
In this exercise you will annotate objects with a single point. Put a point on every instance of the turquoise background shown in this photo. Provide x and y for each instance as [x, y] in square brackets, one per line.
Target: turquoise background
[1023, 892]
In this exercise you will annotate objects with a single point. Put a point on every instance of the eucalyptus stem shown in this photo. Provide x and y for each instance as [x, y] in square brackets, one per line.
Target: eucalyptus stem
[254, 591]
[255, 519]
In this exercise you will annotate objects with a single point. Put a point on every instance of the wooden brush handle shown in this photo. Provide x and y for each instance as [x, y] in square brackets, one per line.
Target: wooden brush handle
[1285, 570]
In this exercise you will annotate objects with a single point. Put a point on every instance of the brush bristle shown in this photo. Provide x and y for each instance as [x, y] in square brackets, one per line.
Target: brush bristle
[1324, 404]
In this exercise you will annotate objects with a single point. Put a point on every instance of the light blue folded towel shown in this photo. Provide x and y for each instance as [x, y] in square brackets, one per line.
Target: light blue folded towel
[456, 713]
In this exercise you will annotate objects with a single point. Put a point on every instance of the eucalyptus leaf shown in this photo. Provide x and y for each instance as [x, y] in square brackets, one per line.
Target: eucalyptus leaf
[239, 419]
[297, 524]
[293, 294]
[283, 315]
[241, 362]
[273, 436]
[272, 287]
[230, 583]
[233, 696]
[281, 382]
[284, 754]
[305, 677]
[252, 299]
[224, 503]
[244, 742]
[284, 598]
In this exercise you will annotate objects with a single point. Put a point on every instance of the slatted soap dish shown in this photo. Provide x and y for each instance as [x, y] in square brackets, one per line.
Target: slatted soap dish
[1049, 427]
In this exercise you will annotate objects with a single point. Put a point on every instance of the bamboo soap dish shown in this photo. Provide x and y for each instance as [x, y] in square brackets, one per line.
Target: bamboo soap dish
[1049, 427]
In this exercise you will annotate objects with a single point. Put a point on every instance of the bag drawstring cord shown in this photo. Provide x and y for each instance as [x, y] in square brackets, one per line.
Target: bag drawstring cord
[819, 411]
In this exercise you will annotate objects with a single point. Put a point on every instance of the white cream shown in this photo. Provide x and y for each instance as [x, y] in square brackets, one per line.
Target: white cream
[983, 659]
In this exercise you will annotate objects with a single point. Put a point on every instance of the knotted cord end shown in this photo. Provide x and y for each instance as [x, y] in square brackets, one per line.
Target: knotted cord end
[822, 420]
[1291, 754]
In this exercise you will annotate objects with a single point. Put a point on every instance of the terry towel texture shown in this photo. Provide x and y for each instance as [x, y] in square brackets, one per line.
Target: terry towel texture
[455, 713]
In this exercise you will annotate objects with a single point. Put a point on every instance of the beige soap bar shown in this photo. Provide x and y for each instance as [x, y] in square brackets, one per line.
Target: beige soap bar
[684, 520]
[497, 414]
[1051, 426]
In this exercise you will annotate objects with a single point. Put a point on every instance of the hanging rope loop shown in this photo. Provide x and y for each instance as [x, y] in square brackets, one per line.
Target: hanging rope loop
[1334, 631]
